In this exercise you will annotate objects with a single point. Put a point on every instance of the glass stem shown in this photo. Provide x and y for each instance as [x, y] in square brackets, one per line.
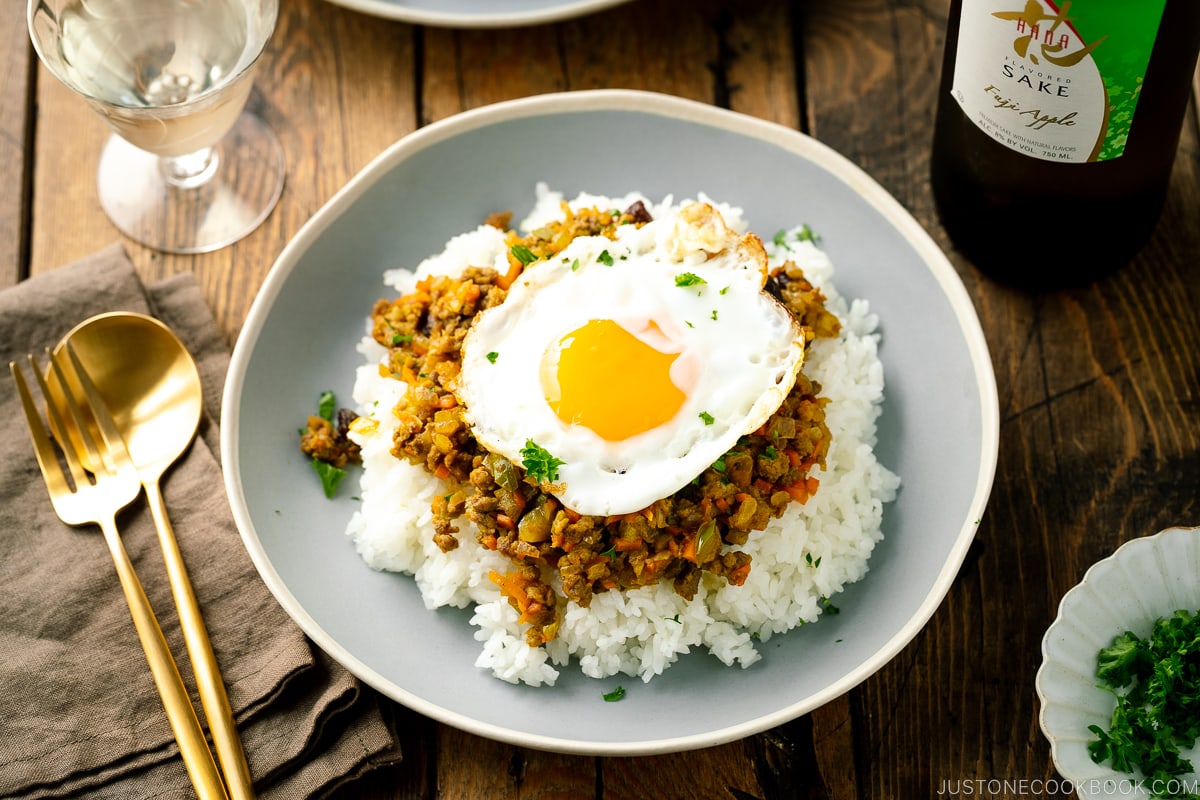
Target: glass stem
[190, 170]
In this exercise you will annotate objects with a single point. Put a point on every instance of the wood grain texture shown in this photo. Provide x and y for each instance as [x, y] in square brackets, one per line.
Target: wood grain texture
[1099, 387]
[870, 76]
[707, 53]
[710, 51]
[16, 75]
[1098, 444]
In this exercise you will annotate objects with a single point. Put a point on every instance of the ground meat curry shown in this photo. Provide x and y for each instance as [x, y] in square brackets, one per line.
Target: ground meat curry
[324, 440]
[677, 539]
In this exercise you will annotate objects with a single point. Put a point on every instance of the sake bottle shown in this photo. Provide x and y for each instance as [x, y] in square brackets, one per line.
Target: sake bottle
[1056, 130]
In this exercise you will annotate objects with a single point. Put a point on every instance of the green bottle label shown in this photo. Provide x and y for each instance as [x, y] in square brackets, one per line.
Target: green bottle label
[1057, 81]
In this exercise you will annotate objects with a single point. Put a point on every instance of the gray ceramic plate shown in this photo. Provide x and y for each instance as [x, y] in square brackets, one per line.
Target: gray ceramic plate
[938, 430]
[478, 13]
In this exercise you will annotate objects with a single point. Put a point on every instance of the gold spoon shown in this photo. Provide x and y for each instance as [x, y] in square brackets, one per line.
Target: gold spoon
[150, 383]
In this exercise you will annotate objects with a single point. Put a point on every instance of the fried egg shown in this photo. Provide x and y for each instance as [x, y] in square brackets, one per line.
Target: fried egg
[635, 362]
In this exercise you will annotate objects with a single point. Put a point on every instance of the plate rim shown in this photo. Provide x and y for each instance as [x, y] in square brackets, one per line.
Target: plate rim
[696, 112]
[443, 19]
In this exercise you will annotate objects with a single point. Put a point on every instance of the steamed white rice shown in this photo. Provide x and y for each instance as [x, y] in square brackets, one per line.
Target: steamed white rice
[799, 561]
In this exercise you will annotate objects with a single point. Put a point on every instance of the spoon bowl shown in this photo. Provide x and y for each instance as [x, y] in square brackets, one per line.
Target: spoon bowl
[148, 380]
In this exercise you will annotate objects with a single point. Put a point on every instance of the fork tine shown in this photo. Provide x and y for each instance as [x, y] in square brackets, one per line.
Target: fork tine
[114, 442]
[43, 448]
[74, 459]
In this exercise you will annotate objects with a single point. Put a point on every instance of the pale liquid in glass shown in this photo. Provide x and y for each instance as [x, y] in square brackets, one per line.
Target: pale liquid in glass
[169, 76]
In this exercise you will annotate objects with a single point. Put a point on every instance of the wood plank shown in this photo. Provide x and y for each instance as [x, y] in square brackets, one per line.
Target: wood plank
[714, 52]
[726, 770]
[760, 62]
[834, 748]
[810, 757]
[1097, 393]
[919, 718]
[870, 98]
[871, 70]
[16, 76]
[870, 75]
[334, 85]
[648, 46]
[465, 69]
[470, 767]
[68, 222]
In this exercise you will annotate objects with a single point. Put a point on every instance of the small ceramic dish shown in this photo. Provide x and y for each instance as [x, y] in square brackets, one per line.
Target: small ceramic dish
[1144, 580]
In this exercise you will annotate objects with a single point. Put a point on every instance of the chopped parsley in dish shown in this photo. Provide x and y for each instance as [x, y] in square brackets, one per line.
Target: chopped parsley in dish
[1156, 681]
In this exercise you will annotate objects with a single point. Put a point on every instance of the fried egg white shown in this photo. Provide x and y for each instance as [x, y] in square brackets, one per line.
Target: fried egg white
[636, 362]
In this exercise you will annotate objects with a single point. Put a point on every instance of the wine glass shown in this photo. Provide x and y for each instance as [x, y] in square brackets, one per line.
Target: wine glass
[188, 170]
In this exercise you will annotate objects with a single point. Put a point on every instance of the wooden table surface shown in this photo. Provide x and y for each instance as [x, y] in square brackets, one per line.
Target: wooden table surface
[1099, 387]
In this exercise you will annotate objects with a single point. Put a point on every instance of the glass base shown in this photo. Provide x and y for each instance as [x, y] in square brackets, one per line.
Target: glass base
[243, 189]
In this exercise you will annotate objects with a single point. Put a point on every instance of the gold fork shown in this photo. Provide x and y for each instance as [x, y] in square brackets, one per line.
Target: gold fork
[96, 498]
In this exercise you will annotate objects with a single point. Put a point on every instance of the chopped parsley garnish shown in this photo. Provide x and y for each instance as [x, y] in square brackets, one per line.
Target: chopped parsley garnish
[523, 254]
[539, 465]
[714, 315]
[803, 234]
[615, 695]
[707, 417]
[771, 453]
[723, 291]
[330, 475]
[688, 279]
[325, 405]
[402, 338]
[610, 552]
[808, 558]
[719, 464]
[575, 265]
[1157, 685]
[676, 619]
[605, 259]
[830, 607]
[492, 356]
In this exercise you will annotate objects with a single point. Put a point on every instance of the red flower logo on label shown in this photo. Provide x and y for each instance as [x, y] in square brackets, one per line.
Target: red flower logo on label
[1039, 31]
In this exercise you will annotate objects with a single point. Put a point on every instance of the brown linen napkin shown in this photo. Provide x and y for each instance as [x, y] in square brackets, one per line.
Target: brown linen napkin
[79, 713]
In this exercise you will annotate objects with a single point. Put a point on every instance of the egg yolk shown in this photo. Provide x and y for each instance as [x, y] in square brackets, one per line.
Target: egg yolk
[607, 379]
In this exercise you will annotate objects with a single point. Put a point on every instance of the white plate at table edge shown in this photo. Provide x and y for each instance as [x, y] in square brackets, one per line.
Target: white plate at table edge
[497, 17]
[690, 112]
